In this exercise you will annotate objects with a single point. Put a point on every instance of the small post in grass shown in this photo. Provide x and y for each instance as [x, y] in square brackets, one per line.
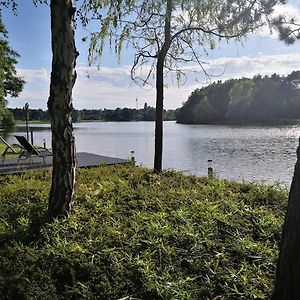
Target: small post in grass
[210, 171]
[132, 159]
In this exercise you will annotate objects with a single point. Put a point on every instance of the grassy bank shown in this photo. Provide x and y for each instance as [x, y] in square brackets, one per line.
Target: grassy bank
[138, 235]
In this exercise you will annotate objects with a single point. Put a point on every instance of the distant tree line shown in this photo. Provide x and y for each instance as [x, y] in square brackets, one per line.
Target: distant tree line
[147, 113]
[269, 99]
[34, 114]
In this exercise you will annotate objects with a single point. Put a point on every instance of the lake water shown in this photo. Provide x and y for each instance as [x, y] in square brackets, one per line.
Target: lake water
[250, 153]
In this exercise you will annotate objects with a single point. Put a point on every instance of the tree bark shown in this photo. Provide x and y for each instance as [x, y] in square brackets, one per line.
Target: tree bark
[160, 90]
[60, 107]
[288, 269]
[159, 115]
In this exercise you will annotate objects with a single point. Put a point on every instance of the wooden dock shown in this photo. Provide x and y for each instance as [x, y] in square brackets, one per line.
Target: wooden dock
[84, 160]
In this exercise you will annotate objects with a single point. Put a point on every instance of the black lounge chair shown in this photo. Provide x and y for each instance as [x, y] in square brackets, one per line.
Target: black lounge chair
[29, 150]
[10, 149]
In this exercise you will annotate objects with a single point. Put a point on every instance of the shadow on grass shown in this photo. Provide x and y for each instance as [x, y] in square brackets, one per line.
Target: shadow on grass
[24, 234]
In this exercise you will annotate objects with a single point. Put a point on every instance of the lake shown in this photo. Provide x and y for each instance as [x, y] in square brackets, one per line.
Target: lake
[250, 153]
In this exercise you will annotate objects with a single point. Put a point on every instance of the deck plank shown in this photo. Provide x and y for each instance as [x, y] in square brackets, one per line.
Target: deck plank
[84, 160]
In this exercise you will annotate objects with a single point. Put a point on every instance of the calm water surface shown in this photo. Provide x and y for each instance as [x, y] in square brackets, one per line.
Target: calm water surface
[250, 153]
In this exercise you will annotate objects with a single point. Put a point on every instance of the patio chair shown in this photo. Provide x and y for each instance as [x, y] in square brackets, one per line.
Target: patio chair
[10, 149]
[29, 150]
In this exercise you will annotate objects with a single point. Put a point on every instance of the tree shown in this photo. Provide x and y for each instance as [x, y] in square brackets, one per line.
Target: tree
[288, 275]
[63, 76]
[260, 99]
[294, 79]
[288, 28]
[169, 34]
[10, 83]
[204, 112]
[241, 97]
[60, 107]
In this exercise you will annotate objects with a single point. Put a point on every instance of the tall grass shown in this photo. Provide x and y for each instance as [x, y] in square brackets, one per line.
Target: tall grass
[137, 235]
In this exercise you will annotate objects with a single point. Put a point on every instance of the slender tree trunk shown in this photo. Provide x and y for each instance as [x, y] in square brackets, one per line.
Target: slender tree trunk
[160, 90]
[60, 107]
[159, 115]
[287, 285]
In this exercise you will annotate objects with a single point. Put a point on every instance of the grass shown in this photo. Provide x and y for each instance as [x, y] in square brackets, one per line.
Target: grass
[2, 147]
[136, 235]
[22, 122]
[10, 154]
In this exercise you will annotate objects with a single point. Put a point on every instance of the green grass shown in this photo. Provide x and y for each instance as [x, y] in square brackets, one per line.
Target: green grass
[138, 235]
[3, 148]
[22, 122]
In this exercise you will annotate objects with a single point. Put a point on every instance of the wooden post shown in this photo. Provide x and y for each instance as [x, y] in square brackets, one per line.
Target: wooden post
[26, 119]
[210, 171]
[31, 136]
[132, 159]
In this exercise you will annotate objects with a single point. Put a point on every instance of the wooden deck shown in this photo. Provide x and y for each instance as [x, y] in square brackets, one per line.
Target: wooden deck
[84, 159]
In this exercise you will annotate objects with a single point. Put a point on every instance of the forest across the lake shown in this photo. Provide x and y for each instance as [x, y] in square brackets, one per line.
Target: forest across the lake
[269, 99]
[147, 113]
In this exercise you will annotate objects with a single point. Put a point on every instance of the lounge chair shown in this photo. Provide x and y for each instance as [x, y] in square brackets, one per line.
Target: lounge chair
[10, 149]
[29, 150]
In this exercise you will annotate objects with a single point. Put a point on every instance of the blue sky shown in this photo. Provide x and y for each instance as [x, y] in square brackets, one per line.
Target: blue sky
[111, 86]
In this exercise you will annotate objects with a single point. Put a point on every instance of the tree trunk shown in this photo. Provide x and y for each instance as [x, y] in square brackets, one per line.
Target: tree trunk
[160, 89]
[288, 269]
[159, 115]
[60, 107]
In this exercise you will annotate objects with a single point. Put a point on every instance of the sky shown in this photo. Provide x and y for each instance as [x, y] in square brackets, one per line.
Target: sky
[109, 85]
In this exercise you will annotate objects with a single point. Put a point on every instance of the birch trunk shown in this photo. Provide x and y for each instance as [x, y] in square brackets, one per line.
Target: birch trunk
[60, 107]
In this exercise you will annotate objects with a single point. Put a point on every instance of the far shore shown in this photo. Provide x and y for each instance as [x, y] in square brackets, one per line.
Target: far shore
[262, 123]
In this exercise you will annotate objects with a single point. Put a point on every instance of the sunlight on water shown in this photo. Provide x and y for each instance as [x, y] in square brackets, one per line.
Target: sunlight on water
[250, 153]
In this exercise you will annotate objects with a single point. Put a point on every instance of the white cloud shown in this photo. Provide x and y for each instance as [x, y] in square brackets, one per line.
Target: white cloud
[32, 75]
[259, 64]
[112, 87]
